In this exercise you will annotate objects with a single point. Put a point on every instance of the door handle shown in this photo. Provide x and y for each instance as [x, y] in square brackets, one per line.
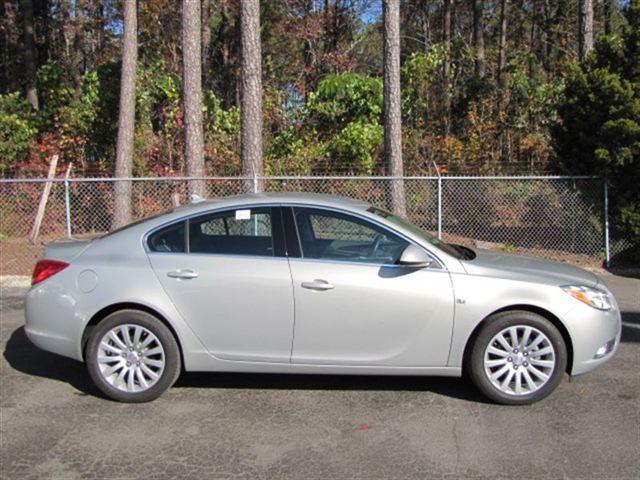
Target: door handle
[182, 274]
[317, 285]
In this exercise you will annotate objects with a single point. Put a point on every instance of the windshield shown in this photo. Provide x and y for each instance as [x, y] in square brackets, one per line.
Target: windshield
[456, 251]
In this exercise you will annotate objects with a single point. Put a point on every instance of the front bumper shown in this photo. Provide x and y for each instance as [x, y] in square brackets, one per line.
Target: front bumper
[590, 330]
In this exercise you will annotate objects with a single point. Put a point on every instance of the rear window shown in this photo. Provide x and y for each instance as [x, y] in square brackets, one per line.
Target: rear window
[168, 239]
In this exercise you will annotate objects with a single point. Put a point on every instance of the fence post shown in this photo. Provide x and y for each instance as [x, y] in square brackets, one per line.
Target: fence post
[255, 182]
[67, 202]
[607, 253]
[439, 206]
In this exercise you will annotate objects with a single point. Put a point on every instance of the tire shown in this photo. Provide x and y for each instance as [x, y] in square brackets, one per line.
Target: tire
[143, 370]
[490, 357]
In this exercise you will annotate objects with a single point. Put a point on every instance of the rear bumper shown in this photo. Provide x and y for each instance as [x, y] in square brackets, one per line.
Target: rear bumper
[52, 322]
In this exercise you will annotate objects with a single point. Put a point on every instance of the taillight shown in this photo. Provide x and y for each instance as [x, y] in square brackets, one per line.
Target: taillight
[46, 268]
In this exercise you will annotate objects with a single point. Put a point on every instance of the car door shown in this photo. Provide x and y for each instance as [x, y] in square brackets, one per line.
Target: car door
[228, 276]
[355, 306]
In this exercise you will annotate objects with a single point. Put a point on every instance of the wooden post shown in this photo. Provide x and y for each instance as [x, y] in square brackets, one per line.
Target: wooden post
[43, 200]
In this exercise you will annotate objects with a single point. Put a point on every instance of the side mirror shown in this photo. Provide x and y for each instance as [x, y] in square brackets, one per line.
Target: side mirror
[415, 257]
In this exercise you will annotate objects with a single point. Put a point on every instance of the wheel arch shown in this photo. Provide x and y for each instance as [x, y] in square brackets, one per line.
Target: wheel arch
[116, 307]
[526, 308]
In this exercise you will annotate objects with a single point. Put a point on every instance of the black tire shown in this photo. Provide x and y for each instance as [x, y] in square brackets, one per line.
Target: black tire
[494, 325]
[172, 365]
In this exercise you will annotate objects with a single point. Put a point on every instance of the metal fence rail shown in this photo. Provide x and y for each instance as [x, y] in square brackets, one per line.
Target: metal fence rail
[562, 218]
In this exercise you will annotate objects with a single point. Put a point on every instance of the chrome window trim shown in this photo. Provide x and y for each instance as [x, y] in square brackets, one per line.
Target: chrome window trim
[440, 264]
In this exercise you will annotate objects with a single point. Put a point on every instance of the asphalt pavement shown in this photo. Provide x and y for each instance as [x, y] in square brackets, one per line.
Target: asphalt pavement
[54, 424]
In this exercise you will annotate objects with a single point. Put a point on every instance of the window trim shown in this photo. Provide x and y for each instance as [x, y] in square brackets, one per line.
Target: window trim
[275, 210]
[440, 264]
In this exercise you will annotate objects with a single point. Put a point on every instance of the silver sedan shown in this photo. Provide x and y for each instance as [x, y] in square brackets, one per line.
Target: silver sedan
[298, 283]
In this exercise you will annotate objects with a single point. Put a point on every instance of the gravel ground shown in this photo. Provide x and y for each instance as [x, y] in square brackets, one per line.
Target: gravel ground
[53, 424]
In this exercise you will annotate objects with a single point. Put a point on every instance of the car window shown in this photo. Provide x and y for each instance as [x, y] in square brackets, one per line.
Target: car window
[331, 235]
[168, 239]
[240, 232]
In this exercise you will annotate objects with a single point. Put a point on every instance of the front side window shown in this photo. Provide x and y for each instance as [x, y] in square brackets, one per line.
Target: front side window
[329, 235]
[239, 232]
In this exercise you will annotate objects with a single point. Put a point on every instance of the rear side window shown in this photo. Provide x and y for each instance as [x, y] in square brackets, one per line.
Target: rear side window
[168, 239]
[239, 232]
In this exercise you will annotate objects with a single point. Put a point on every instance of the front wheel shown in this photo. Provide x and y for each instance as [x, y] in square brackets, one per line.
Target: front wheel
[132, 357]
[518, 358]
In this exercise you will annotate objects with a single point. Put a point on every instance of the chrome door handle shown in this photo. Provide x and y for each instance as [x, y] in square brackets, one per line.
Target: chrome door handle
[183, 274]
[317, 285]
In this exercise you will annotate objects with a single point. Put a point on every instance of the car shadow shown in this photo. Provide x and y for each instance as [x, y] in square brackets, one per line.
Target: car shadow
[25, 357]
[630, 327]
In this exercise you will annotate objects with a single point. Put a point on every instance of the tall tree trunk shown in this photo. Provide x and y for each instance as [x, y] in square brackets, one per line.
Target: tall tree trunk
[206, 43]
[29, 52]
[585, 26]
[502, 54]
[607, 10]
[192, 93]
[446, 66]
[126, 117]
[78, 44]
[251, 92]
[392, 113]
[478, 37]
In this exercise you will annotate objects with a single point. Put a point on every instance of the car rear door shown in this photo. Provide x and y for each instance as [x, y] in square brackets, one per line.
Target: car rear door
[230, 280]
[355, 306]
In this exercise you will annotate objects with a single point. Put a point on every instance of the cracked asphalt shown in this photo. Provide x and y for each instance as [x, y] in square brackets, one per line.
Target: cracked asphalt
[54, 424]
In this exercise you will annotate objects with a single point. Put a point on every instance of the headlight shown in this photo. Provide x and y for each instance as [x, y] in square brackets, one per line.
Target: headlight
[591, 296]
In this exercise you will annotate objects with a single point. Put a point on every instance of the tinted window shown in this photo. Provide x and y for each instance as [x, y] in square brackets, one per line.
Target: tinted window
[241, 232]
[335, 236]
[168, 239]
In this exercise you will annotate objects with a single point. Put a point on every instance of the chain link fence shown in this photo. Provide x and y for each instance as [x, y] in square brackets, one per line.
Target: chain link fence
[561, 218]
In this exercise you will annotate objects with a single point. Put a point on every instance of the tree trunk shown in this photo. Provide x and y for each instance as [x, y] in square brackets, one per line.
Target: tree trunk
[392, 113]
[478, 37]
[251, 92]
[502, 54]
[607, 16]
[192, 94]
[126, 117]
[78, 44]
[206, 43]
[29, 53]
[585, 26]
[446, 66]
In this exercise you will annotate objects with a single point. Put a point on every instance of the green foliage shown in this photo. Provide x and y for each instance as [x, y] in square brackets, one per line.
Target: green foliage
[355, 146]
[599, 133]
[17, 129]
[419, 73]
[345, 98]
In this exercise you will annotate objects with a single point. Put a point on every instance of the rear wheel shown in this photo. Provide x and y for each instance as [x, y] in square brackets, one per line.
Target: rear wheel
[132, 356]
[518, 358]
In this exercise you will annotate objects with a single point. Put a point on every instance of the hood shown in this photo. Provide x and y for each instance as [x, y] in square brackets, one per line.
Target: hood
[66, 250]
[518, 267]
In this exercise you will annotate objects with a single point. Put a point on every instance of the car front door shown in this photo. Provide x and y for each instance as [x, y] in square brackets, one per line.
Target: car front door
[355, 306]
[228, 276]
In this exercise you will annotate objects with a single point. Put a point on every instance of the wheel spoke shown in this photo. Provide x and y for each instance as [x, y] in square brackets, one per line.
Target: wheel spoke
[513, 333]
[499, 373]
[539, 353]
[111, 359]
[518, 381]
[141, 380]
[124, 330]
[495, 363]
[152, 363]
[137, 332]
[153, 351]
[104, 345]
[120, 378]
[496, 351]
[525, 337]
[530, 383]
[507, 380]
[112, 369]
[541, 363]
[150, 373]
[130, 380]
[503, 342]
[114, 337]
[538, 373]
